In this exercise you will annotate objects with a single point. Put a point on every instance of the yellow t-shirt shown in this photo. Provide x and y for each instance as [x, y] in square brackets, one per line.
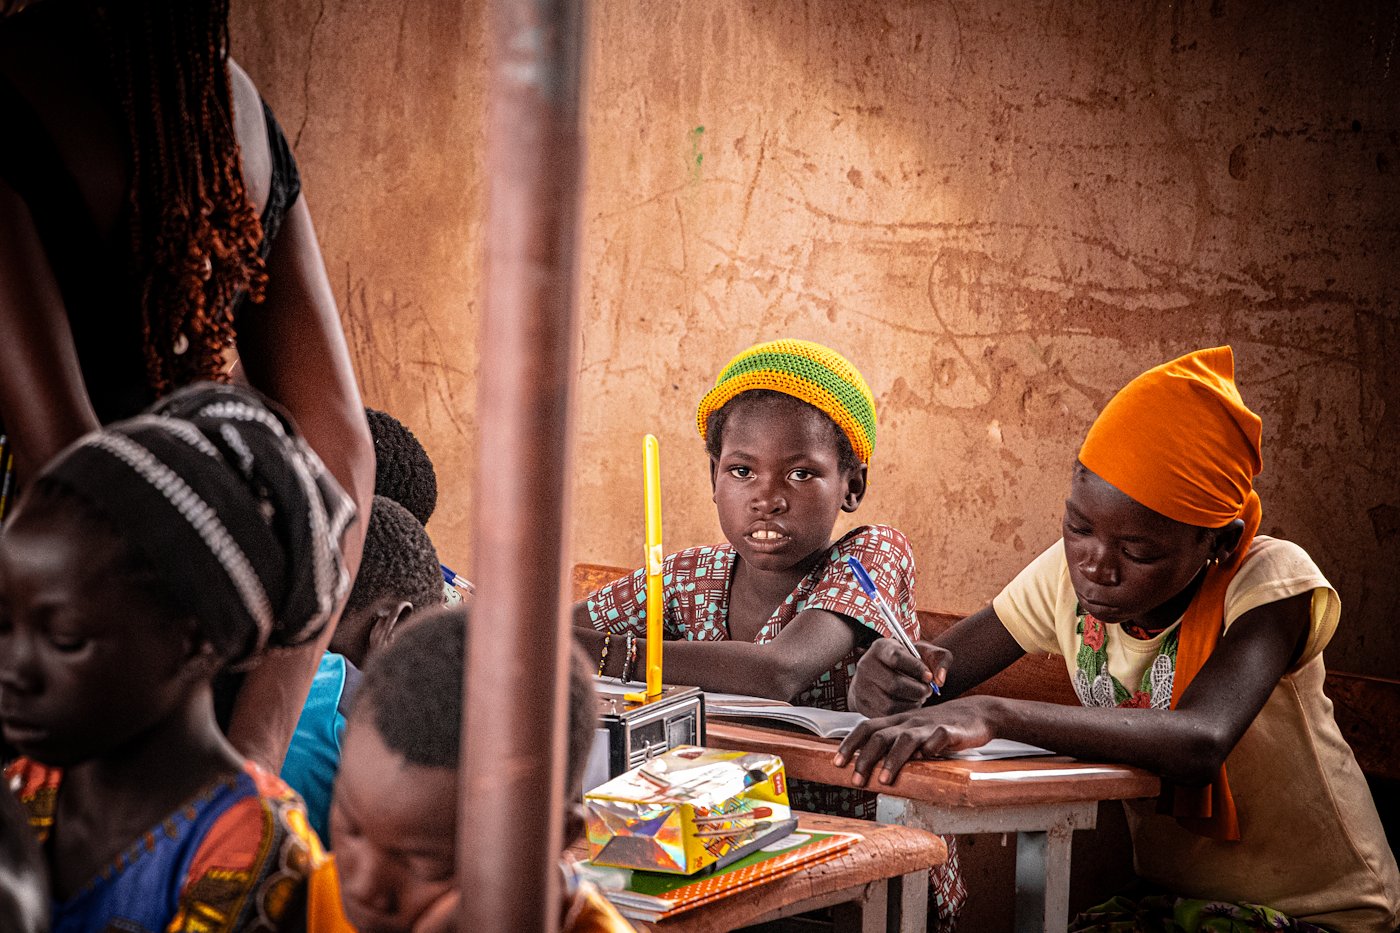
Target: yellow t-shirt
[1312, 845]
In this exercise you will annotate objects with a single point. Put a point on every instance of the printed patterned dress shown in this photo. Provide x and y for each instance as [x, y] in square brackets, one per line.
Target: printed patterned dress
[696, 607]
[235, 858]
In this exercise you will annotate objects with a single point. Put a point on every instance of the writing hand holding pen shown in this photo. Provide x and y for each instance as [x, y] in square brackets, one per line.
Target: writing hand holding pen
[890, 680]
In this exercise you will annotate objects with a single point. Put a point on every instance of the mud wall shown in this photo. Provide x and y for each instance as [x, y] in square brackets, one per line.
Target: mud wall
[1000, 211]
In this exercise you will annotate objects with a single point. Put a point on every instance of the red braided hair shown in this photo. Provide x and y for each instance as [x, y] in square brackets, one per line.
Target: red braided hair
[194, 233]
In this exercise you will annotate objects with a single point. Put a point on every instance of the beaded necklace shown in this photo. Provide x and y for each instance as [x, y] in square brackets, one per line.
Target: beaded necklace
[1096, 685]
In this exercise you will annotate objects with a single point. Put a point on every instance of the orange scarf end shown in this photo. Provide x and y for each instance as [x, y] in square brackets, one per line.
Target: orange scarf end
[1206, 810]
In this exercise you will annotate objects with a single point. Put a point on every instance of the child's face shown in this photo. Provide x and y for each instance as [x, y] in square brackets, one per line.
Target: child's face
[89, 658]
[393, 825]
[1127, 563]
[778, 484]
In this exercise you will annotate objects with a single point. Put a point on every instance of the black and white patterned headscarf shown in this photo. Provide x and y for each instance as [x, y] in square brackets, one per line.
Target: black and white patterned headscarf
[237, 515]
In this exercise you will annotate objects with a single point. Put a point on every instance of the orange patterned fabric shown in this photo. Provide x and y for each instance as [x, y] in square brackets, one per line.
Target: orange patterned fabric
[590, 912]
[234, 858]
[1180, 440]
[324, 911]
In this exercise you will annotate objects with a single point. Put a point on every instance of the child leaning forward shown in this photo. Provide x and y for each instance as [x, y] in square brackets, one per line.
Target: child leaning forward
[1195, 646]
[789, 428]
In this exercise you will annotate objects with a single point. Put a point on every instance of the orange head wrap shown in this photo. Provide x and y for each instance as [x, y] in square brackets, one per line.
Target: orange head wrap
[1180, 440]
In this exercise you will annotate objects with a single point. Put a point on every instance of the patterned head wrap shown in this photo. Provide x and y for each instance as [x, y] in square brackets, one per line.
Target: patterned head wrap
[229, 505]
[817, 375]
[1180, 440]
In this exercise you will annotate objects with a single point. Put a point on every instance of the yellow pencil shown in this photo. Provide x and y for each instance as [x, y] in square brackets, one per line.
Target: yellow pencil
[655, 556]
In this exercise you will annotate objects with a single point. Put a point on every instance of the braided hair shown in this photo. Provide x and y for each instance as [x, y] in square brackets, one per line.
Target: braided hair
[194, 235]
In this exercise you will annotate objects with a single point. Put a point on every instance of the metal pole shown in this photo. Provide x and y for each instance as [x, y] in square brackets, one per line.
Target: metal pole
[510, 820]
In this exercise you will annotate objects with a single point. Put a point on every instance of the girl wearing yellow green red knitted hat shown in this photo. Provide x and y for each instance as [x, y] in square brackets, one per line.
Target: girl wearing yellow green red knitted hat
[789, 427]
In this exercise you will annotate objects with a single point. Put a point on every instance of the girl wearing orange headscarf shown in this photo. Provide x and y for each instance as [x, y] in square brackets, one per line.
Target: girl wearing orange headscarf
[1195, 647]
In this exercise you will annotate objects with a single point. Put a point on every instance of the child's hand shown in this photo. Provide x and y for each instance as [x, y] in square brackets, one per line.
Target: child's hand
[924, 733]
[891, 680]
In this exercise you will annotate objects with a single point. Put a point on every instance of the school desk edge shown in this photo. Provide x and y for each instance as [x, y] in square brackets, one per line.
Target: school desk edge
[947, 782]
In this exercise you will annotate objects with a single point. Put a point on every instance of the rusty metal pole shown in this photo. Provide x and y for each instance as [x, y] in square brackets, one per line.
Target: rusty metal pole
[510, 819]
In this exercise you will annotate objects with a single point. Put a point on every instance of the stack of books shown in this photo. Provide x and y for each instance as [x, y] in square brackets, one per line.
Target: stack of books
[652, 896]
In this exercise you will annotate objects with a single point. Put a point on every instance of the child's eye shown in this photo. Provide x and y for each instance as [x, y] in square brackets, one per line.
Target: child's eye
[1140, 558]
[1076, 530]
[67, 644]
[739, 472]
[801, 475]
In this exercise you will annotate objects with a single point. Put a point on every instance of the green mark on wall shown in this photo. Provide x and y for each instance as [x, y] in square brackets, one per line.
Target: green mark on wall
[697, 158]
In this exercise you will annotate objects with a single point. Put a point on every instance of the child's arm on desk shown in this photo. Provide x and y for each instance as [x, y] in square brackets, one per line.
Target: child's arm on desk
[807, 647]
[1187, 745]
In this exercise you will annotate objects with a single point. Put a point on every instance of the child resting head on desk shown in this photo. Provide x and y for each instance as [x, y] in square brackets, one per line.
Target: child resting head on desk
[399, 575]
[789, 428]
[1193, 642]
[141, 560]
[396, 853]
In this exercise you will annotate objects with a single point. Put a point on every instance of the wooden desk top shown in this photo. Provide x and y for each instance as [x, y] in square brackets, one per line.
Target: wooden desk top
[883, 852]
[947, 782]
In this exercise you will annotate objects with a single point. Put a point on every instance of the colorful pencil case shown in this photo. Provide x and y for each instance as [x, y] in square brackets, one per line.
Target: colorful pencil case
[686, 810]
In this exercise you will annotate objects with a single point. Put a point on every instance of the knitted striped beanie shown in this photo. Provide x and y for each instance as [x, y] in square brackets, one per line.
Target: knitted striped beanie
[231, 508]
[817, 375]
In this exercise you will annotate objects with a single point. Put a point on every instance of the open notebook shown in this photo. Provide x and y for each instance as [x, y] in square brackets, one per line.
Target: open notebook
[826, 723]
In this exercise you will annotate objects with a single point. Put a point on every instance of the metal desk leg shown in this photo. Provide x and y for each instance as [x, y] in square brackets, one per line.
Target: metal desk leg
[1042, 880]
[869, 914]
[1043, 833]
[908, 903]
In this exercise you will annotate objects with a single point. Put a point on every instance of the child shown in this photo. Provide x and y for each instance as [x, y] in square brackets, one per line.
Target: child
[395, 862]
[789, 428]
[403, 472]
[140, 561]
[398, 576]
[1193, 644]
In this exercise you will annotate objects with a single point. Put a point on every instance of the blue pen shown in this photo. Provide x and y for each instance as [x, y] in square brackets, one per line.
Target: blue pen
[452, 577]
[868, 586]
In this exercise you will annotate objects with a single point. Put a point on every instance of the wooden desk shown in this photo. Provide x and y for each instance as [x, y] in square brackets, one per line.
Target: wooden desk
[1042, 800]
[878, 885]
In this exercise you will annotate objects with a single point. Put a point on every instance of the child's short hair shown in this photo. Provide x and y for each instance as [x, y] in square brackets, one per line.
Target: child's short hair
[399, 560]
[807, 371]
[402, 470]
[224, 507]
[414, 691]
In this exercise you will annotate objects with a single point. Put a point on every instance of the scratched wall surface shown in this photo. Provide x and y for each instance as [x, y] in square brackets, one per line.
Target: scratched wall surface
[1001, 211]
